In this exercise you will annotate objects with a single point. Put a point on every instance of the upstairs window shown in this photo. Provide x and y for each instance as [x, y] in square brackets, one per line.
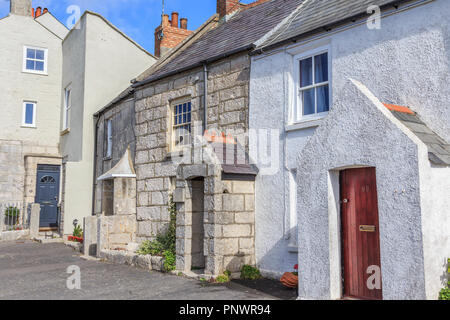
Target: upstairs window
[313, 86]
[67, 106]
[181, 127]
[108, 139]
[29, 114]
[35, 60]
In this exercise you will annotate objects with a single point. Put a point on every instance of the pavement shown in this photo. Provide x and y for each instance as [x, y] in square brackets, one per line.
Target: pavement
[30, 270]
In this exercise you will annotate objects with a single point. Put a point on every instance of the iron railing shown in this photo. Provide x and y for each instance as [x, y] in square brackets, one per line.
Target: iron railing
[13, 216]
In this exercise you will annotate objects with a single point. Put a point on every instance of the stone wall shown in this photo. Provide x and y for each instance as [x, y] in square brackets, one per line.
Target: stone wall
[228, 82]
[123, 121]
[228, 222]
[115, 232]
[18, 169]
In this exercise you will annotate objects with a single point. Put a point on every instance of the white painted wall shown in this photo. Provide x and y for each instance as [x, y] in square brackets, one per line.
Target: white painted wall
[16, 86]
[406, 62]
[52, 24]
[435, 202]
[99, 63]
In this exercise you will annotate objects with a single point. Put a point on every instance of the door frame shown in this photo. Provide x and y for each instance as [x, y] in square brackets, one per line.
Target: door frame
[341, 231]
[58, 172]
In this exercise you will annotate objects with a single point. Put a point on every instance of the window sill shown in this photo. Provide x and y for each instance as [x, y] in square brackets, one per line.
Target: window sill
[107, 158]
[64, 132]
[306, 124]
[28, 127]
[292, 248]
[35, 72]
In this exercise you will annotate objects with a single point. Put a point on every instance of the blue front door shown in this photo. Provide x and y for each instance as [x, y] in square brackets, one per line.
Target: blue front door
[47, 195]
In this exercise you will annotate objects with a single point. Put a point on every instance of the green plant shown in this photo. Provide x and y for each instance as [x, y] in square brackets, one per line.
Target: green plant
[153, 248]
[169, 260]
[165, 244]
[77, 232]
[250, 273]
[445, 293]
[223, 278]
[12, 212]
[227, 273]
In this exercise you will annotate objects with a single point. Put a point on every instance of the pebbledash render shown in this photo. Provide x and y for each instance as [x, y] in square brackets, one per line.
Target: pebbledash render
[219, 210]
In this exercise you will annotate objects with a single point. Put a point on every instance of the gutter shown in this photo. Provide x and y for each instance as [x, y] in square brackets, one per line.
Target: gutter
[339, 23]
[192, 66]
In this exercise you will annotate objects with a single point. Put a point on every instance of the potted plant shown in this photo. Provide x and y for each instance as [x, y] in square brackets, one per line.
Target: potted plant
[77, 235]
[11, 216]
[290, 279]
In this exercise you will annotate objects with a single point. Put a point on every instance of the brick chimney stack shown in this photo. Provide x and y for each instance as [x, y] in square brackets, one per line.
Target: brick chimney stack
[170, 34]
[20, 7]
[227, 7]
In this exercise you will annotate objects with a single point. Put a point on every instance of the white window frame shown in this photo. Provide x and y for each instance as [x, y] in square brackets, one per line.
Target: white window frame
[297, 111]
[24, 68]
[109, 139]
[175, 103]
[24, 110]
[67, 107]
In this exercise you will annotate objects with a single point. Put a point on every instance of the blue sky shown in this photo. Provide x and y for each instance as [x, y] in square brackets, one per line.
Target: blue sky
[137, 18]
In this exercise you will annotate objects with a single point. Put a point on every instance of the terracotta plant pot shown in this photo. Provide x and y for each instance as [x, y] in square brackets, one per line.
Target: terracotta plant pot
[289, 280]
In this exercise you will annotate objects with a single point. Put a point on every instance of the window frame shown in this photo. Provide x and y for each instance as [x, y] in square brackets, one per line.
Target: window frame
[24, 116]
[108, 138]
[67, 107]
[296, 115]
[24, 66]
[173, 104]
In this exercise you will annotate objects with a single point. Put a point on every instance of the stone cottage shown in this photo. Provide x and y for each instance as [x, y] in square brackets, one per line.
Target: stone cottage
[192, 140]
[365, 178]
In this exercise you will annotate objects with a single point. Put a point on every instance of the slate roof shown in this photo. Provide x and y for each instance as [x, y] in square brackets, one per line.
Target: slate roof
[318, 15]
[438, 148]
[237, 34]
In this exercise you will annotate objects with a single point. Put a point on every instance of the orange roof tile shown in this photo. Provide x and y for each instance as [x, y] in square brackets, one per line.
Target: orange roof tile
[401, 109]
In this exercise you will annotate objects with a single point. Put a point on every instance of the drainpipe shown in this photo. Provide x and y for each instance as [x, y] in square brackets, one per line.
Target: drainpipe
[205, 98]
[94, 180]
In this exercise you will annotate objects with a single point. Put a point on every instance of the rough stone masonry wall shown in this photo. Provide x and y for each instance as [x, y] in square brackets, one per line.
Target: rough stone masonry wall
[228, 83]
[123, 119]
[229, 222]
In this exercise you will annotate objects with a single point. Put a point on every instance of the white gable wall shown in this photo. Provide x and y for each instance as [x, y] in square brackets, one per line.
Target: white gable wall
[360, 131]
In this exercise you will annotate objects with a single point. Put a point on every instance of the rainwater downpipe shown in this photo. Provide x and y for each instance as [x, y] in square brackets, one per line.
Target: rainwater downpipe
[205, 97]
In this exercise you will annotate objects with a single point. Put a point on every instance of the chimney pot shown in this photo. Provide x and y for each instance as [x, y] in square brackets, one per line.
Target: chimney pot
[32, 12]
[183, 23]
[166, 20]
[175, 19]
[38, 12]
[45, 10]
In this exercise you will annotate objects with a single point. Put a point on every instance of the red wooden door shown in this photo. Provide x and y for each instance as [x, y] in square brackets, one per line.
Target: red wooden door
[360, 234]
